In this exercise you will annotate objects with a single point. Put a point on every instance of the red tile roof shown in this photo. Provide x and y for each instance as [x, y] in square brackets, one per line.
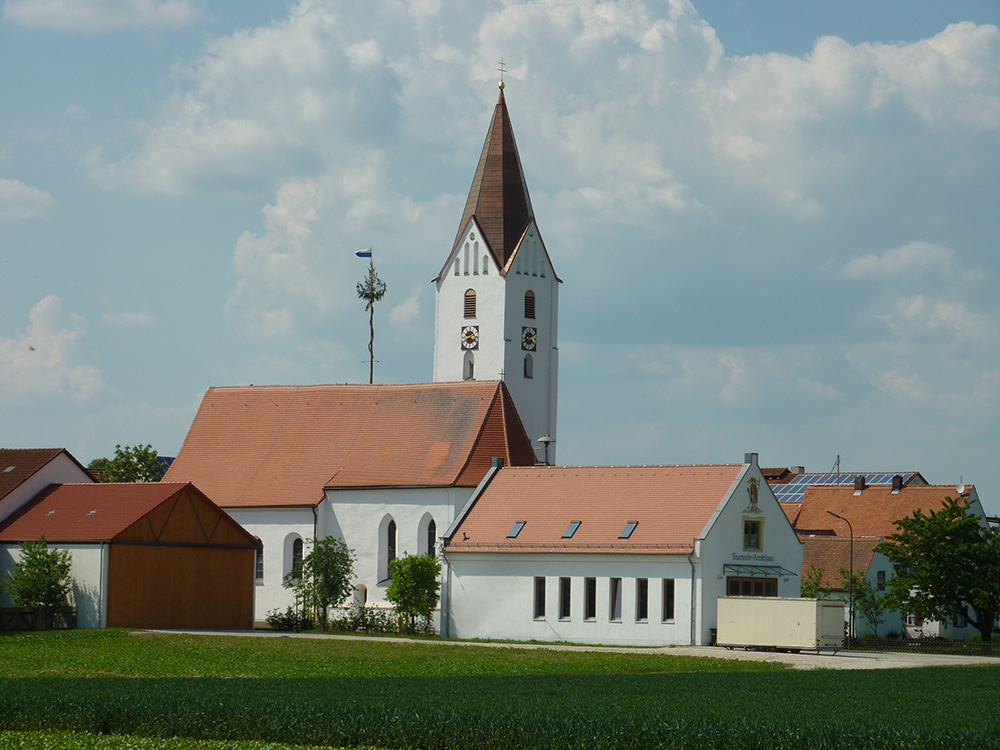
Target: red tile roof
[831, 553]
[872, 513]
[672, 505]
[85, 512]
[18, 464]
[282, 445]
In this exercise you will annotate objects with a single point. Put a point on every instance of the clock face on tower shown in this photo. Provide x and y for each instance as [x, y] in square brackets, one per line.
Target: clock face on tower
[470, 337]
[529, 338]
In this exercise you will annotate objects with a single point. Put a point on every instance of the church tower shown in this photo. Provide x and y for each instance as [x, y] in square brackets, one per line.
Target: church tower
[497, 299]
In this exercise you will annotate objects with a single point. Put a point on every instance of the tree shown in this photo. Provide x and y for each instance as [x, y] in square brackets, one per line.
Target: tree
[945, 562]
[41, 577]
[414, 587]
[371, 289]
[867, 602]
[323, 578]
[811, 580]
[130, 464]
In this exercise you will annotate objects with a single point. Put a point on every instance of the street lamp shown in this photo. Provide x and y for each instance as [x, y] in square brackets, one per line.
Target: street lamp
[545, 440]
[850, 580]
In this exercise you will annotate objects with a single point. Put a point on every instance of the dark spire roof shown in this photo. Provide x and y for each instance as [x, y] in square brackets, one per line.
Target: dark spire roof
[498, 198]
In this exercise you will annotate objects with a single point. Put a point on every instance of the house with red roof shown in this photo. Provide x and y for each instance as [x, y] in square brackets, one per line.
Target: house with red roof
[156, 555]
[24, 472]
[829, 517]
[383, 467]
[614, 554]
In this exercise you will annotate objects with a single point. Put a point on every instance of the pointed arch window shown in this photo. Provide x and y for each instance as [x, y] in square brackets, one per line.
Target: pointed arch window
[470, 303]
[390, 546]
[259, 563]
[432, 534]
[529, 304]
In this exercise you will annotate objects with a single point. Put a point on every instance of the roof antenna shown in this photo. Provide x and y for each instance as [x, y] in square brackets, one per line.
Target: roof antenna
[961, 486]
[836, 468]
[502, 68]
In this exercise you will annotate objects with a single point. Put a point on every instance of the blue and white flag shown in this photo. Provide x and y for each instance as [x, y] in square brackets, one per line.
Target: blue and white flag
[364, 253]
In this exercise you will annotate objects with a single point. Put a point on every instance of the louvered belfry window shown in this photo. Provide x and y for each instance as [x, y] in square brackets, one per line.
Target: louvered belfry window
[529, 304]
[470, 303]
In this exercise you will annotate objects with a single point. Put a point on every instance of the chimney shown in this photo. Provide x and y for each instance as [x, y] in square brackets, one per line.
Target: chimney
[897, 484]
[859, 483]
[496, 462]
[797, 469]
[750, 458]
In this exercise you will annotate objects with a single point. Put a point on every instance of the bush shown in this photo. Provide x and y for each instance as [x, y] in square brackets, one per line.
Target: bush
[41, 578]
[361, 619]
[291, 621]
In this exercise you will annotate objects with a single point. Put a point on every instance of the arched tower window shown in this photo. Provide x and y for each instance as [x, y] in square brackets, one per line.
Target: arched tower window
[529, 304]
[470, 303]
[469, 367]
[529, 366]
[486, 265]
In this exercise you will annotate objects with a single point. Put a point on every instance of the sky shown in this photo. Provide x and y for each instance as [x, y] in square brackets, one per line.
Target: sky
[776, 223]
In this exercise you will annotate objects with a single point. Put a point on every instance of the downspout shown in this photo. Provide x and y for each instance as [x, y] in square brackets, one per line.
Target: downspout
[446, 597]
[694, 613]
[102, 616]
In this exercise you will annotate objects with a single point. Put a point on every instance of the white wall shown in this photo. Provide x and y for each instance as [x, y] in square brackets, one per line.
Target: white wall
[722, 544]
[491, 595]
[60, 470]
[360, 517]
[276, 528]
[89, 573]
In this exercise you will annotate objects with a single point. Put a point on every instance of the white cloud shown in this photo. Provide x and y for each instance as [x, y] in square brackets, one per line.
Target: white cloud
[407, 312]
[100, 15]
[19, 201]
[128, 319]
[907, 386]
[912, 258]
[920, 316]
[43, 364]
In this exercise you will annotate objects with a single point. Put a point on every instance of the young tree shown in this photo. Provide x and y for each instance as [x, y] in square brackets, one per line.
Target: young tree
[130, 464]
[323, 579]
[811, 580]
[414, 587]
[41, 578]
[371, 289]
[943, 562]
[867, 602]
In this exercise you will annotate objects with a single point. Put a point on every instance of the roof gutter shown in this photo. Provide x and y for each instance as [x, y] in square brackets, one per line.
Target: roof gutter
[495, 465]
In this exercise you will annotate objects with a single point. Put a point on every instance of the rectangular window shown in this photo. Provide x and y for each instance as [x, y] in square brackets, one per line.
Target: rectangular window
[629, 528]
[751, 534]
[641, 599]
[880, 580]
[539, 598]
[515, 530]
[564, 598]
[668, 599]
[752, 586]
[615, 609]
[961, 619]
[589, 598]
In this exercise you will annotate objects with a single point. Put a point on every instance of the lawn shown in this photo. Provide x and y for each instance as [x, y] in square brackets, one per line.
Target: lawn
[80, 688]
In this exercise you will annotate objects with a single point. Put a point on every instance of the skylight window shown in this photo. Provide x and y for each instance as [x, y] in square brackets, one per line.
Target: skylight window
[9, 468]
[518, 525]
[571, 529]
[91, 512]
[629, 528]
[51, 512]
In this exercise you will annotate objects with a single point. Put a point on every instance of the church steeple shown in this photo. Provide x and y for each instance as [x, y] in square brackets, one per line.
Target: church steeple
[498, 198]
[498, 294]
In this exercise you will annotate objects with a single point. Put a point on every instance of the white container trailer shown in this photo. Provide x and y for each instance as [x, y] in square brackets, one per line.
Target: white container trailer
[780, 624]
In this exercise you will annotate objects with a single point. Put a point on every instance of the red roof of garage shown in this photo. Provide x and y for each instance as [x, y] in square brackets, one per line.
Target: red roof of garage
[153, 512]
[261, 446]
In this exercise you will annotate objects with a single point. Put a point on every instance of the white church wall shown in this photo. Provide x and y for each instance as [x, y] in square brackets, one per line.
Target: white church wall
[492, 595]
[277, 528]
[361, 518]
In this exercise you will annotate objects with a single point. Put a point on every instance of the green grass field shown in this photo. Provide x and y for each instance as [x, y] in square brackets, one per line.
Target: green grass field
[114, 689]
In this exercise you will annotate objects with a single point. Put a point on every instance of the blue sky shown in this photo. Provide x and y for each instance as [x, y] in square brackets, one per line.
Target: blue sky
[776, 222]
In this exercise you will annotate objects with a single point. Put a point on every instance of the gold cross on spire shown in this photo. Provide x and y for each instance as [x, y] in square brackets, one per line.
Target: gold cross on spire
[502, 68]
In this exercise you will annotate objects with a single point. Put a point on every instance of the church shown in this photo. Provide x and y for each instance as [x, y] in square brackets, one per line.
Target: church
[464, 468]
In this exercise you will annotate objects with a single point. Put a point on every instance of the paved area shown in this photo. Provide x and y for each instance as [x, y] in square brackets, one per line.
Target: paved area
[823, 660]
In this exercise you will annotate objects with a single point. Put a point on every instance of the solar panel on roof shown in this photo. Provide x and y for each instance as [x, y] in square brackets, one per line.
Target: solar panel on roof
[794, 490]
